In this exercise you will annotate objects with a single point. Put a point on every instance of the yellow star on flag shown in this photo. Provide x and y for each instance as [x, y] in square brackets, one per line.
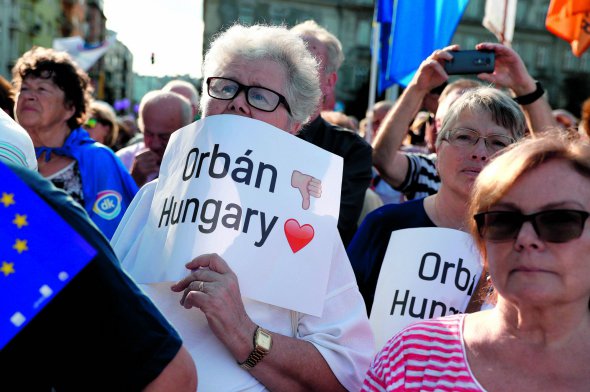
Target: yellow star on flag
[7, 268]
[7, 199]
[20, 221]
[20, 246]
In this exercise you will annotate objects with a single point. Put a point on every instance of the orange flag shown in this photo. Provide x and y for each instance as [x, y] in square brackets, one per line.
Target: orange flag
[570, 20]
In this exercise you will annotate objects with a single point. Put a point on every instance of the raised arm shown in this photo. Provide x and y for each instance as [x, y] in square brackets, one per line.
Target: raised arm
[511, 72]
[387, 157]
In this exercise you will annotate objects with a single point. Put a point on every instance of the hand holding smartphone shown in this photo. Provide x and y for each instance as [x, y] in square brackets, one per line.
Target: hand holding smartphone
[470, 62]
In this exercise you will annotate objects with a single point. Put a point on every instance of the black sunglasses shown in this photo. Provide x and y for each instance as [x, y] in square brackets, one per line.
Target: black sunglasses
[550, 226]
[261, 98]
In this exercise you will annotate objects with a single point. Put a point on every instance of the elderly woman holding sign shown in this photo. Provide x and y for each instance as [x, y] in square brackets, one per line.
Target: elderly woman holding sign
[479, 124]
[264, 73]
[530, 210]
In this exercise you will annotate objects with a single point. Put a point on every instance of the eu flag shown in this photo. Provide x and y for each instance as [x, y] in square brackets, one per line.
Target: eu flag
[39, 254]
[410, 31]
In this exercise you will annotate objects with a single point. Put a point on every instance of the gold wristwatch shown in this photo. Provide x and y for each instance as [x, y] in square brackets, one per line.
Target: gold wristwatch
[262, 345]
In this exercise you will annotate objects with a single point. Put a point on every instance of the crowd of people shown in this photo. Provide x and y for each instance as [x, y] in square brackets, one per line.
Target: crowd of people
[486, 157]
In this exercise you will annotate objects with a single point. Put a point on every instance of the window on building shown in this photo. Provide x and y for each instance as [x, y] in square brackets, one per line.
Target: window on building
[331, 23]
[246, 10]
[363, 32]
[475, 9]
[517, 47]
[541, 54]
[470, 42]
[541, 12]
[528, 54]
[278, 13]
[569, 61]
[521, 14]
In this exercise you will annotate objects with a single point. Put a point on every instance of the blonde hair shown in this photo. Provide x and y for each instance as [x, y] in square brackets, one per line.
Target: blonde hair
[103, 111]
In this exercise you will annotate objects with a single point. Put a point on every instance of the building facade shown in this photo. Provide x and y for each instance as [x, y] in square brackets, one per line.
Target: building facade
[548, 58]
[28, 23]
[24, 23]
[349, 20]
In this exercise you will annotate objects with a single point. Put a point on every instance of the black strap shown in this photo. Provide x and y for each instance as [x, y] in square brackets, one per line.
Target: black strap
[532, 97]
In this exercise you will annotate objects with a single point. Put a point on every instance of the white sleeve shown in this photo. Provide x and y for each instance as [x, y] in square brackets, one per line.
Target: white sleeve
[16, 145]
[343, 334]
[128, 235]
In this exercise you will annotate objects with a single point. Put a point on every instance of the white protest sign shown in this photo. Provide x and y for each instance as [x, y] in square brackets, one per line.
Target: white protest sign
[239, 187]
[426, 273]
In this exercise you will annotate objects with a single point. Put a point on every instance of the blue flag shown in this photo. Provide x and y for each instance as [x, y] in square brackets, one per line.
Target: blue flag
[410, 31]
[39, 254]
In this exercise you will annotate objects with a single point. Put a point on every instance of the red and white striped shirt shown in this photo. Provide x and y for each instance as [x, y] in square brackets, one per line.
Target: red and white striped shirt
[426, 356]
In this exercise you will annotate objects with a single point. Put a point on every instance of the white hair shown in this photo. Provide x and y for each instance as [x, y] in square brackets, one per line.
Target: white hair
[261, 42]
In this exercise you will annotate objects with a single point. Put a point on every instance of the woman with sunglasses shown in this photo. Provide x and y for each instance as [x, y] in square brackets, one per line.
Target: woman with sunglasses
[267, 74]
[530, 208]
[52, 99]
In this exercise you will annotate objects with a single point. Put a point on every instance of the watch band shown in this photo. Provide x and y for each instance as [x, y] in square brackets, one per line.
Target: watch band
[527, 99]
[252, 360]
[257, 353]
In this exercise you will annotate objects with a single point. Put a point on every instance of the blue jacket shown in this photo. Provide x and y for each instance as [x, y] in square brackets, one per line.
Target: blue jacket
[107, 186]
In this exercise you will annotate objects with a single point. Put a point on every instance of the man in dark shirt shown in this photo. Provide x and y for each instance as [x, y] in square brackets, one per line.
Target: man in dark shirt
[356, 153]
[100, 332]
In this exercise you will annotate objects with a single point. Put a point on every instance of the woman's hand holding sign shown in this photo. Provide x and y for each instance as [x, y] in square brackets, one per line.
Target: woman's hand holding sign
[213, 288]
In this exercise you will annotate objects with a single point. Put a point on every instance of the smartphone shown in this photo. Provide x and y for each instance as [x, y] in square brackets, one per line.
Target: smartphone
[470, 62]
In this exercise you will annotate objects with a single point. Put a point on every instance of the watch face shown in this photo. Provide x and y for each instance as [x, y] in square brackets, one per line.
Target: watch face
[263, 339]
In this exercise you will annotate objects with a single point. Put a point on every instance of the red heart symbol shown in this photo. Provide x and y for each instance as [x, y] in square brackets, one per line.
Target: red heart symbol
[298, 236]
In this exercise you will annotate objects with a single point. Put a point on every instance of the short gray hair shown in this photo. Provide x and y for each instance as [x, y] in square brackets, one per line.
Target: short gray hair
[333, 45]
[275, 43]
[503, 109]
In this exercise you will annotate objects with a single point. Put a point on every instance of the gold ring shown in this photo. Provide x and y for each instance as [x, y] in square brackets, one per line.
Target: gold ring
[201, 284]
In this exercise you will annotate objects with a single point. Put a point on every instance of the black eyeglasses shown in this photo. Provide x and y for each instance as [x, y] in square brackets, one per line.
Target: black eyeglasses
[465, 137]
[259, 97]
[550, 226]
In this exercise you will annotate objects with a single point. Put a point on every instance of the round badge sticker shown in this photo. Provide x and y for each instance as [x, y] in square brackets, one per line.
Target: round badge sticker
[107, 204]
